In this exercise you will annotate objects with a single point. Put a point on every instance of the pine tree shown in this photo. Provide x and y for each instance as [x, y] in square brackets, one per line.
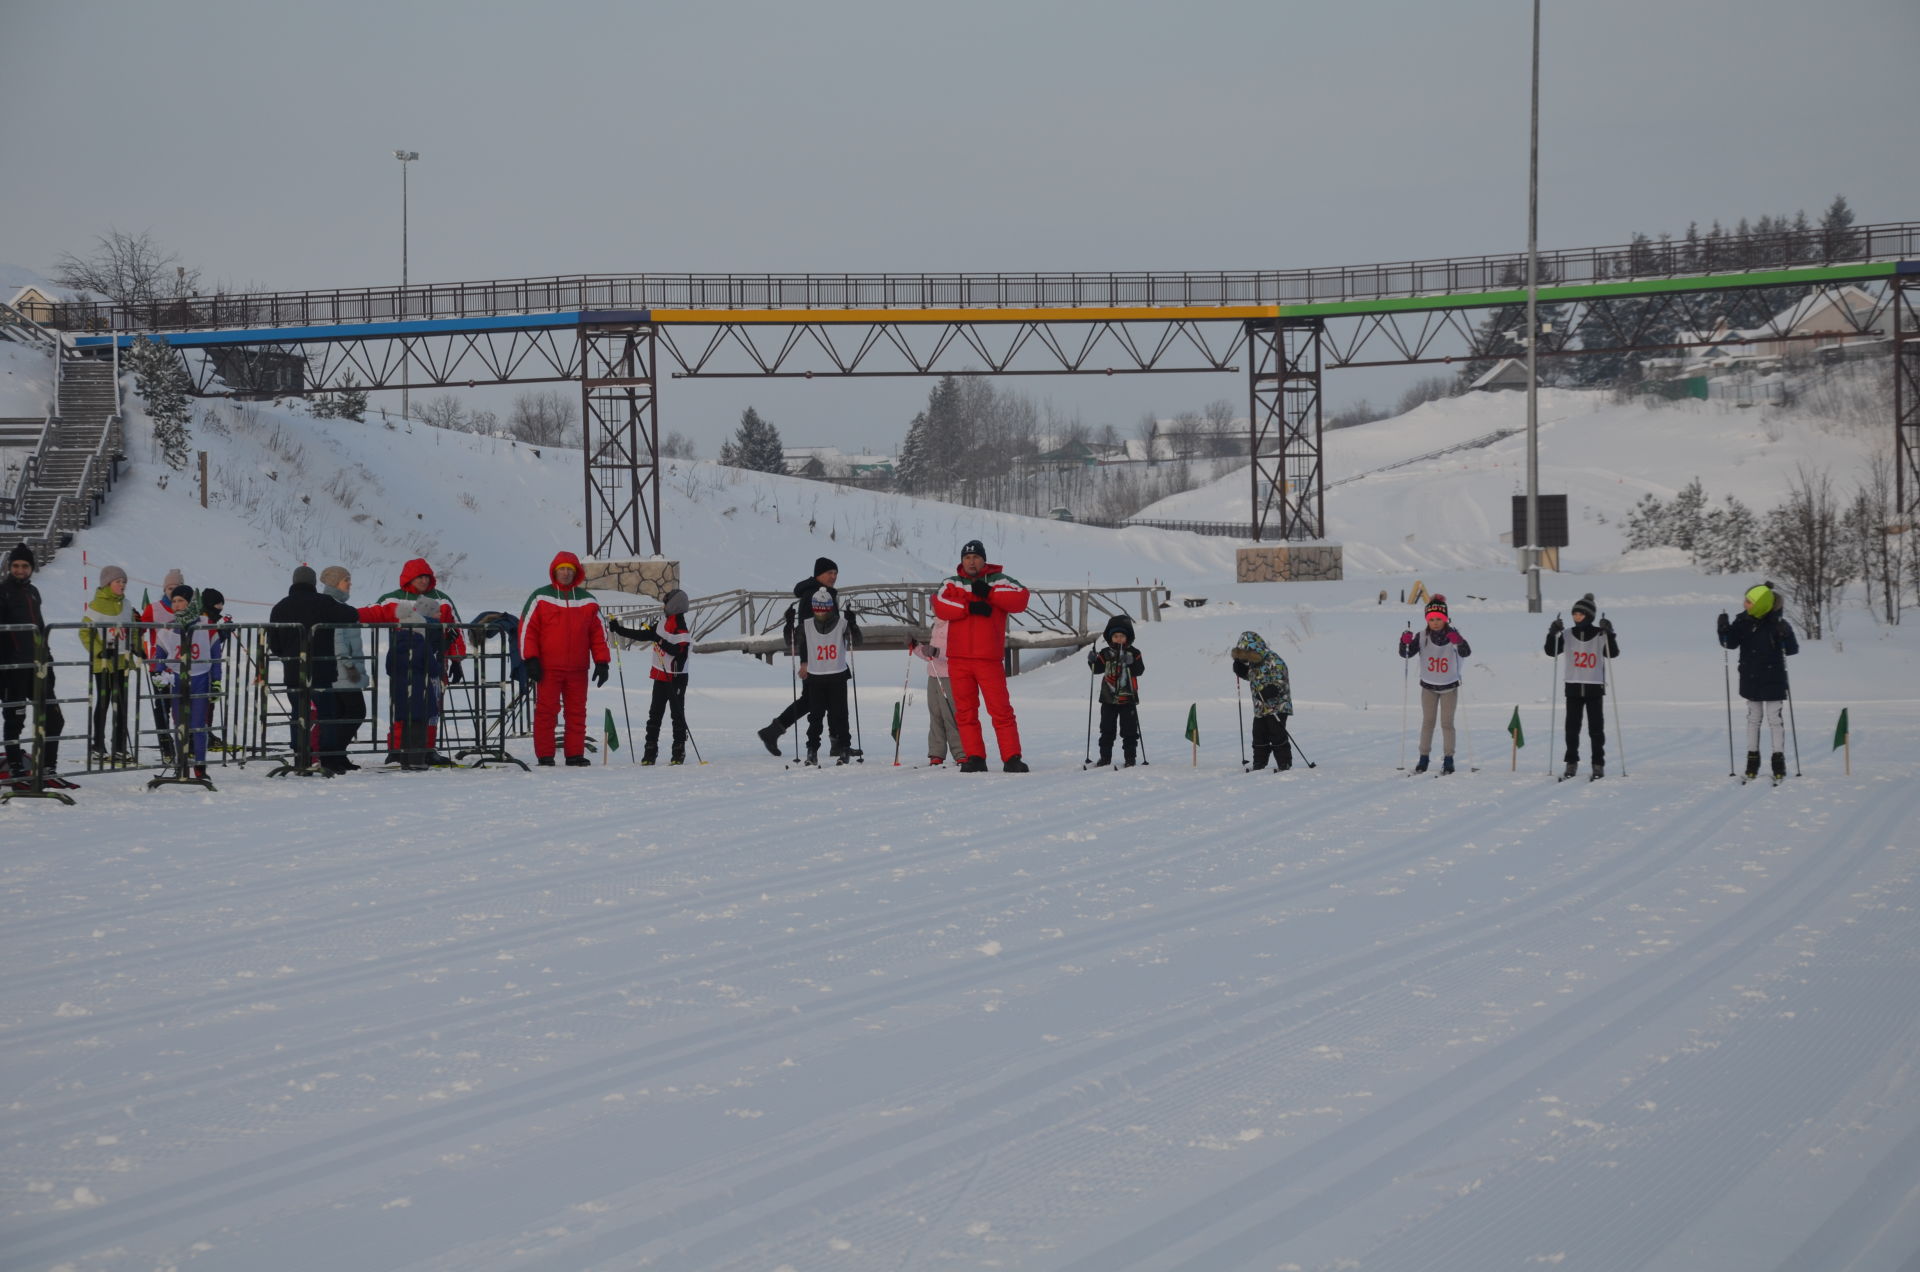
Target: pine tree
[911, 471]
[1729, 539]
[1684, 515]
[162, 382]
[348, 403]
[1646, 524]
[1502, 333]
[755, 446]
[1838, 239]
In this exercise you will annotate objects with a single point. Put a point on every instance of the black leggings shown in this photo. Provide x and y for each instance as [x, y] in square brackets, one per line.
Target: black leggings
[1592, 705]
[110, 692]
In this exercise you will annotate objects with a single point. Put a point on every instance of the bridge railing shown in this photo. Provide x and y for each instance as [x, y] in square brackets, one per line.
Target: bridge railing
[989, 291]
[890, 613]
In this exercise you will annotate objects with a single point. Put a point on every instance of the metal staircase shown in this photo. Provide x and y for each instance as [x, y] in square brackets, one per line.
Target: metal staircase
[74, 465]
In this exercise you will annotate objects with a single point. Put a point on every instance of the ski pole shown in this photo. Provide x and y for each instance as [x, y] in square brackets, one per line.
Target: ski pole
[798, 688]
[1406, 669]
[691, 740]
[853, 680]
[1240, 709]
[1613, 690]
[1553, 674]
[1090, 684]
[1726, 675]
[1293, 740]
[626, 709]
[1794, 726]
[1460, 708]
[906, 675]
[1142, 734]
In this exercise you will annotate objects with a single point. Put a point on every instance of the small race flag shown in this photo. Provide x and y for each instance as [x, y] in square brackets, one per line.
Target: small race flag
[609, 734]
[1840, 731]
[896, 721]
[1193, 724]
[145, 600]
[1513, 728]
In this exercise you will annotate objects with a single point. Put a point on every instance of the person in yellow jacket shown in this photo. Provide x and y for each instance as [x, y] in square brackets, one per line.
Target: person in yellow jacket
[115, 649]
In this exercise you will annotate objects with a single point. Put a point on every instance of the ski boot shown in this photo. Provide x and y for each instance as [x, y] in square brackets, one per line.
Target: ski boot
[1105, 760]
[1015, 764]
[1260, 759]
[649, 757]
[200, 771]
[769, 738]
[935, 761]
[813, 757]
[974, 764]
[579, 761]
[1753, 765]
[1127, 760]
[1421, 767]
[1779, 767]
[1446, 765]
[1599, 771]
[1282, 763]
[545, 761]
[1572, 770]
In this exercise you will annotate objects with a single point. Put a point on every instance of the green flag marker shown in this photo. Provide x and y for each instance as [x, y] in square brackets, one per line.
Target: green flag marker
[1513, 728]
[610, 734]
[1193, 724]
[896, 722]
[1840, 731]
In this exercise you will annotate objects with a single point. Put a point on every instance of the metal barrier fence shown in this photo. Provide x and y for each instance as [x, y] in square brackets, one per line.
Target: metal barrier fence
[183, 702]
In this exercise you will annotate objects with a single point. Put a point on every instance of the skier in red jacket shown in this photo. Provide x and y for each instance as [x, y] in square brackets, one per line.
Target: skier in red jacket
[976, 602]
[560, 633]
[417, 580]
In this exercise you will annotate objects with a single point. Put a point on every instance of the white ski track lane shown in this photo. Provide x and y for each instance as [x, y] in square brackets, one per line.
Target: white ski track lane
[1817, 877]
[1135, 1083]
[1100, 940]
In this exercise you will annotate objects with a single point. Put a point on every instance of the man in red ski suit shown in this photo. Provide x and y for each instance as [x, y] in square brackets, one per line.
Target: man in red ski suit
[560, 632]
[976, 602]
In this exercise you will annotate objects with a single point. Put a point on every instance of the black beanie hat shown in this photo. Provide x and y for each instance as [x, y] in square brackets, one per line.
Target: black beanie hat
[303, 576]
[1586, 606]
[181, 593]
[821, 565]
[21, 553]
[973, 547]
[211, 599]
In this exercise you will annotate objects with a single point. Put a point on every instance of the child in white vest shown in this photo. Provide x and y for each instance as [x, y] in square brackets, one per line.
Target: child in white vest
[1589, 651]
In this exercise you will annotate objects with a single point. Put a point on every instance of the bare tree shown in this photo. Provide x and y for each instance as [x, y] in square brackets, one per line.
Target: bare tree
[128, 268]
[1188, 434]
[678, 446]
[1805, 548]
[1431, 389]
[443, 410]
[1870, 530]
[1147, 429]
[545, 418]
[483, 423]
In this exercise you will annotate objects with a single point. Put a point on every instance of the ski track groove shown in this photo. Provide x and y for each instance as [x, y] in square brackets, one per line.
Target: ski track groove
[452, 1025]
[1815, 878]
[282, 1169]
[1382, 970]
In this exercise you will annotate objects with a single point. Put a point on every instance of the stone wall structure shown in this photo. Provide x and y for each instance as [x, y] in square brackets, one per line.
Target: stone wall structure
[653, 576]
[1289, 563]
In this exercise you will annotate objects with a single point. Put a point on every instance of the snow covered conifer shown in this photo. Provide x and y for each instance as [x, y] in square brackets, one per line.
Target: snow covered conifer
[164, 385]
[755, 446]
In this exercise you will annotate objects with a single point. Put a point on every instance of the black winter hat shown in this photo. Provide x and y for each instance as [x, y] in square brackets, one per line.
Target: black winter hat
[973, 547]
[1586, 606]
[303, 576]
[1118, 623]
[212, 600]
[21, 553]
[821, 565]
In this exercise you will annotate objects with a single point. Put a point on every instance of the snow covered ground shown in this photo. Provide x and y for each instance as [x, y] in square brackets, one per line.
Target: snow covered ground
[735, 1016]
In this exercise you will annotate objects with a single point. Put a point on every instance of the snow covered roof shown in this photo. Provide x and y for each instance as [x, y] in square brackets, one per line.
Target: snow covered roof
[1508, 373]
[16, 279]
[1857, 304]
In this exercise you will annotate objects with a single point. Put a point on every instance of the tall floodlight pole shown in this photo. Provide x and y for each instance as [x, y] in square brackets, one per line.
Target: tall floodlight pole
[405, 157]
[1533, 333]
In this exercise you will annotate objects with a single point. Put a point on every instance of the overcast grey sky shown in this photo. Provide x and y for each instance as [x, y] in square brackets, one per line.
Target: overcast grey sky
[255, 139]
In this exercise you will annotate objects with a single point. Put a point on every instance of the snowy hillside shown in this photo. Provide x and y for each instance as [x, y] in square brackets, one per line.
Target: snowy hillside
[735, 1016]
[1449, 512]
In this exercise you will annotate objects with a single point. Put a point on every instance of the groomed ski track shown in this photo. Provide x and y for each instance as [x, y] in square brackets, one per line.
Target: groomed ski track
[1155, 1019]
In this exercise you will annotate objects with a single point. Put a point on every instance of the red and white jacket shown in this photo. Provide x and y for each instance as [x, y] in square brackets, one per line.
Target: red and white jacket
[561, 625]
[971, 635]
[671, 647]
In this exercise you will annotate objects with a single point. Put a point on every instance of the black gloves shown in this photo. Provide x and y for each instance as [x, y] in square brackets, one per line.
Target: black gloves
[1606, 625]
[1556, 627]
[980, 588]
[1241, 669]
[979, 607]
[533, 670]
[1724, 621]
[599, 674]
[1269, 693]
[456, 670]
[1097, 658]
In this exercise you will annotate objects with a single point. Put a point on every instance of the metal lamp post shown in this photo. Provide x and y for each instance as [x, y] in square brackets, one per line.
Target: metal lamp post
[1533, 333]
[405, 157]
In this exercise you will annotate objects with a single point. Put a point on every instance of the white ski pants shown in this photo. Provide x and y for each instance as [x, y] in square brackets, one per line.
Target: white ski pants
[1771, 710]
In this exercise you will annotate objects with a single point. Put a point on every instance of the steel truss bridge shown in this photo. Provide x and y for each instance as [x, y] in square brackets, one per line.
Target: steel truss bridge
[619, 336]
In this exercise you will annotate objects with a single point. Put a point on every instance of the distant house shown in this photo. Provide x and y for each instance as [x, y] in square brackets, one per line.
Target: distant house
[1508, 373]
[40, 300]
[1831, 318]
[830, 463]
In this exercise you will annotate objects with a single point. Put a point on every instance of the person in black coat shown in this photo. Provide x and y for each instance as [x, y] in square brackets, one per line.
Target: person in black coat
[309, 683]
[19, 651]
[1119, 667]
[826, 575]
[1590, 649]
[1765, 640]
